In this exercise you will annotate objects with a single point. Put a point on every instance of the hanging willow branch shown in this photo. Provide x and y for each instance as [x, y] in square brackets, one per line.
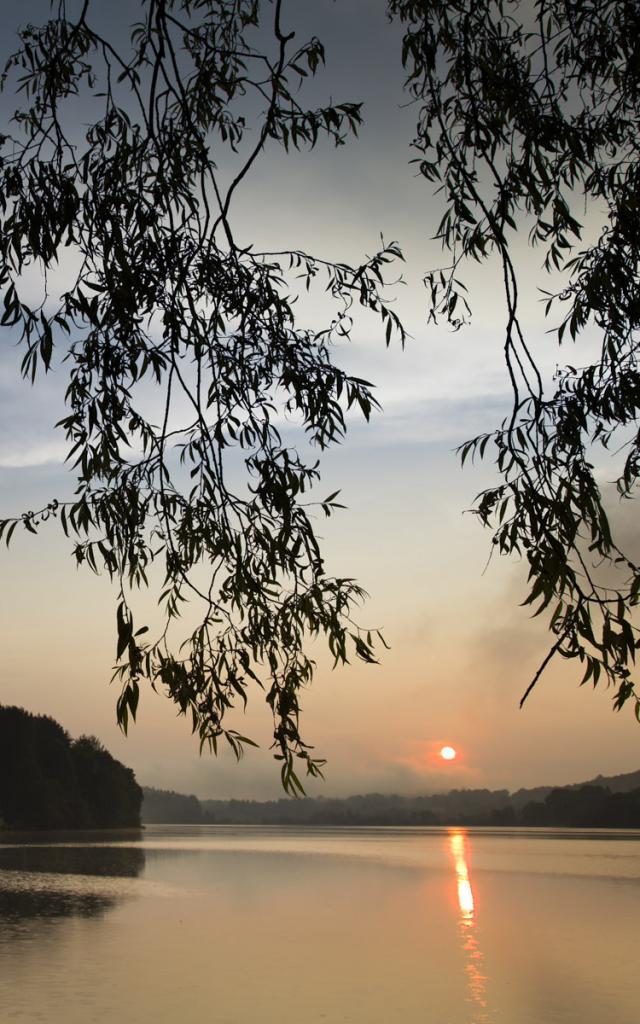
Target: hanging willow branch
[166, 302]
[529, 118]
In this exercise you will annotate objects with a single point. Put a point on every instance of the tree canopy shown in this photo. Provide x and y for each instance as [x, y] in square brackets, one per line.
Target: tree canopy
[48, 780]
[527, 116]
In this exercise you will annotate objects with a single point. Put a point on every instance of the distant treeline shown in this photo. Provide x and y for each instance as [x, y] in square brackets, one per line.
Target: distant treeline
[49, 781]
[604, 803]
[165, 807]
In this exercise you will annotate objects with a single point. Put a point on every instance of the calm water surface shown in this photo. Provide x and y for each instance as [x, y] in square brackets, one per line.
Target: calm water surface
[242, 925]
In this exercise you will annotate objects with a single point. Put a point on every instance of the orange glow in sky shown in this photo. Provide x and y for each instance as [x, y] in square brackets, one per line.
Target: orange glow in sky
[448, 753]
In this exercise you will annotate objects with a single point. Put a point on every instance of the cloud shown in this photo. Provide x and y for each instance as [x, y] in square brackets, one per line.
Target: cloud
[30, 456]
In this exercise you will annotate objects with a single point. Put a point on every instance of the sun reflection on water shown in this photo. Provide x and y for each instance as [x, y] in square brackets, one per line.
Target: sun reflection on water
[474, 960]
[465, 892]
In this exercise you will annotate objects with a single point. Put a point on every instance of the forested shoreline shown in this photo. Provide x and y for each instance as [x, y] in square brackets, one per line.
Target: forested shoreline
[50, 781]
[612, 802]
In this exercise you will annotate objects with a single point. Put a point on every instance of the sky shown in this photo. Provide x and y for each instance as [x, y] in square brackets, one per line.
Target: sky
[462, 648]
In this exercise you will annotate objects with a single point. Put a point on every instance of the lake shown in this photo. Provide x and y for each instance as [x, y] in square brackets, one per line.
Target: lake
[236, 925]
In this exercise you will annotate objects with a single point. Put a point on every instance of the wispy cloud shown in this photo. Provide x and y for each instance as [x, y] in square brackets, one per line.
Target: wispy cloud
[30, 456]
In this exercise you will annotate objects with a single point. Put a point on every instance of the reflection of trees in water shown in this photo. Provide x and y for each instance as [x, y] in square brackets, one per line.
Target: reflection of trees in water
[27, 890]
[17, 905]
[103, 861]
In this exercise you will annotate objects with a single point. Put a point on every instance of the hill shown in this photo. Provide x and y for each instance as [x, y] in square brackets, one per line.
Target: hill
[616, 783]
[49, 781]
[607, 801]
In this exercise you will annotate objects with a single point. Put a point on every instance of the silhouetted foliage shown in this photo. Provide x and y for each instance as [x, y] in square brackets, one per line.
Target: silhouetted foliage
[163, 294]
[48, 781]
[612, 804]
[586, 807]
[109, 795]
[527, 115]
[169, 808]
[372, 809]
[528, 122]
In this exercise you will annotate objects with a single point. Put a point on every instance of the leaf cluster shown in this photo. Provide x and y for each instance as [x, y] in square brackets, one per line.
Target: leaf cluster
[528, 119]
[167, 302]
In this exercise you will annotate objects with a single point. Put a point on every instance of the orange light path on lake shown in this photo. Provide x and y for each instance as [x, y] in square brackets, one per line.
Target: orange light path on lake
[465, 892]
[476, 979]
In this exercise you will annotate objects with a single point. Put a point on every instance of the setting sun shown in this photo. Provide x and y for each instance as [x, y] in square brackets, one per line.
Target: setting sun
[448, 754]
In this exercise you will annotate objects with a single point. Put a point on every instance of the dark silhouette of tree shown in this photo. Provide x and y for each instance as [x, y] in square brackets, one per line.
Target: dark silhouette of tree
[585, 807]
[37, 777]
[528, 122]
[109, 794]
[48, 781]
[526, 114]
[165, 294]
[580, 806]
[170, 808]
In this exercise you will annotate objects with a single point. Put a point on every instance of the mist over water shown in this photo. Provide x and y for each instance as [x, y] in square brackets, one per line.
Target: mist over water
[275, 924]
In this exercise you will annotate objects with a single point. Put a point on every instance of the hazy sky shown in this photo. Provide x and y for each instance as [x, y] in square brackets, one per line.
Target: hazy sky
[462, 648]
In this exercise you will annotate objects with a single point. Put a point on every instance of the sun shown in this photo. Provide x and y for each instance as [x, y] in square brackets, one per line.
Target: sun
[448, 753]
